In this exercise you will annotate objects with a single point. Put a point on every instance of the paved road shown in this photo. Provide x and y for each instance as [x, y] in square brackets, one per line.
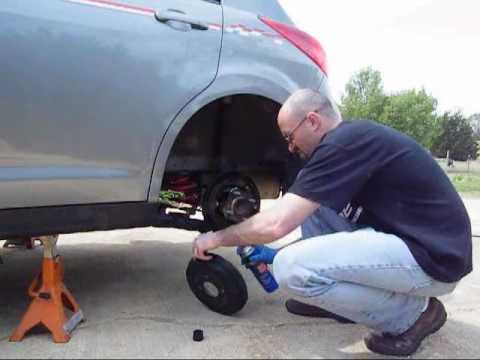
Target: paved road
[131, 287]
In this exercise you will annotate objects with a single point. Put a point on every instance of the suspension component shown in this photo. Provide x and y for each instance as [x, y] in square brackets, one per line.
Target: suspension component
[185, 189]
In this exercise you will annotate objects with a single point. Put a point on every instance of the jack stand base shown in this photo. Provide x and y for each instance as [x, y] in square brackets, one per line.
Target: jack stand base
[49, 296]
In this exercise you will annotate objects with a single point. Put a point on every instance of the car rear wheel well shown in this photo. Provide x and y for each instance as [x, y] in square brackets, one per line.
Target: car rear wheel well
[234, 134]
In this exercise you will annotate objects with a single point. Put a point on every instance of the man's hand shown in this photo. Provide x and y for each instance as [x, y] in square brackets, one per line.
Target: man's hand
[265, 255]
[203, 243]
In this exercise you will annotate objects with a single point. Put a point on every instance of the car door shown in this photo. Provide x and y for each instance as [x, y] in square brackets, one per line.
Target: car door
[88, 89]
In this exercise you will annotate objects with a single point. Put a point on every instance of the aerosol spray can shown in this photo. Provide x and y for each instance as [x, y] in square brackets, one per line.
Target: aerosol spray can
[259, 270]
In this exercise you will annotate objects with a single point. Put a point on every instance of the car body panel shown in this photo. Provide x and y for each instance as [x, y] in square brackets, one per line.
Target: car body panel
[269, 8]
[96, 94]
[88, 92]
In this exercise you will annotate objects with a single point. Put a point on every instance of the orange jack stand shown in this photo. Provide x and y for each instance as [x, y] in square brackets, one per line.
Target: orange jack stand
[49, 296]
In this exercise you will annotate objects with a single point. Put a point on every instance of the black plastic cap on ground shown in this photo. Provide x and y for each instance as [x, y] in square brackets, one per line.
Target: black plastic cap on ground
[197, 335]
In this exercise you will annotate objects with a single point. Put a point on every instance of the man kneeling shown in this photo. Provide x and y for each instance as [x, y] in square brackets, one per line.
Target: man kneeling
[385, 233]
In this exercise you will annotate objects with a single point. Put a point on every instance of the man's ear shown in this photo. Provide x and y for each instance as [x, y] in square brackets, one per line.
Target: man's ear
[315, 120]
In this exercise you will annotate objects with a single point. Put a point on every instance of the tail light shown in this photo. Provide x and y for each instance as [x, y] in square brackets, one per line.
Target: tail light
[303, 41]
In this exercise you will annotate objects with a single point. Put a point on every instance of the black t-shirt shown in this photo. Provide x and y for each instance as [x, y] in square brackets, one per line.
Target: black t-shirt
[395, 186]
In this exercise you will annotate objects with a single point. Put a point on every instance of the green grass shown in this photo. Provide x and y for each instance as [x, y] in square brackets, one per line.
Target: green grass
[464, 175]
[466, 182]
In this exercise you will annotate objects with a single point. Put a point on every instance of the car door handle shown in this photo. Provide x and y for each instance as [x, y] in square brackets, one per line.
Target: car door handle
[165, 16]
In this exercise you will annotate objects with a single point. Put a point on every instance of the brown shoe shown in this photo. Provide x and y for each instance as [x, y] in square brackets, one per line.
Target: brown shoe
[407, 343]
[302, 309]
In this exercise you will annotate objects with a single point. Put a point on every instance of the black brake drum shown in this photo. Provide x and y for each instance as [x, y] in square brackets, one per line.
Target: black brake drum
[217, 284]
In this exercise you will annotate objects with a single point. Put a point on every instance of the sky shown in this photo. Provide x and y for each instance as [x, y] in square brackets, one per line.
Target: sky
[433, 44]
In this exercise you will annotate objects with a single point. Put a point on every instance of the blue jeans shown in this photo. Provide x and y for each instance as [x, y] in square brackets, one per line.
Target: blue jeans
[364, 275]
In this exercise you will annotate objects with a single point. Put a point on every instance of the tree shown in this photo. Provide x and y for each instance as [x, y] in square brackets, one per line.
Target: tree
[456, 135]
[413, 113]
[364, 96]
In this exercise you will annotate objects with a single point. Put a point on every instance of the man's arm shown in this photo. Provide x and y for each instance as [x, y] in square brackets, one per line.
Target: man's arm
[288, 212]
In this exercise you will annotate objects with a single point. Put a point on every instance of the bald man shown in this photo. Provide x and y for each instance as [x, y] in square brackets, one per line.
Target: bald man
[385, 233]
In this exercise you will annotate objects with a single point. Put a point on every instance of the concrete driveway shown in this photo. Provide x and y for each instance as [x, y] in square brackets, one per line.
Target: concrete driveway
[131, 287]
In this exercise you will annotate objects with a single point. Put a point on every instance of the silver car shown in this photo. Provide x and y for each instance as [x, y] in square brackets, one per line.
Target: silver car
[131, 113]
